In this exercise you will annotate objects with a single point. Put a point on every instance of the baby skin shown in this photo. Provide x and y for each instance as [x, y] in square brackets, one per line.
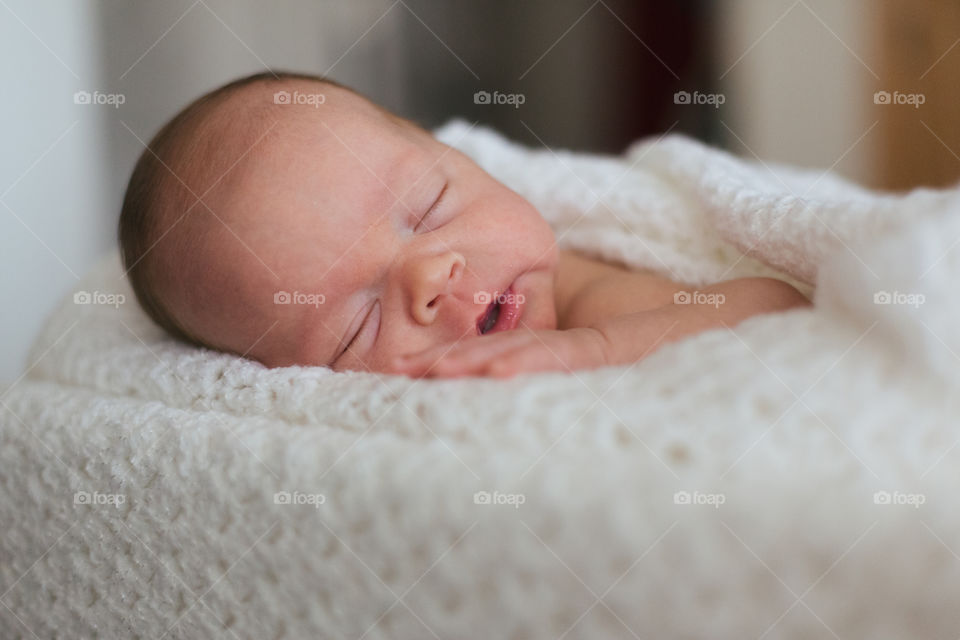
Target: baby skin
[606, 315]
[336, 234]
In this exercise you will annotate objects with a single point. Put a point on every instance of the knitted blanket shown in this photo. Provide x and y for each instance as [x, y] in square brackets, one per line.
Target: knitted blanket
[794, 477]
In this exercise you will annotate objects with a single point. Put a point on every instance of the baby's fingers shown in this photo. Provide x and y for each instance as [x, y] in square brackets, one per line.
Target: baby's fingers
[573, 349]
[458, 359]
[532, 358]
[477, 357]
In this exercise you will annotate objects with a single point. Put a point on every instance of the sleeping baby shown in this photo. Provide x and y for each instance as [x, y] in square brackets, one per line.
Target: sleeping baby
[288, 219]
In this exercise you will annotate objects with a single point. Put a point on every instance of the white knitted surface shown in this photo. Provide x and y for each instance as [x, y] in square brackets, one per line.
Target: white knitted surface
[780, 432]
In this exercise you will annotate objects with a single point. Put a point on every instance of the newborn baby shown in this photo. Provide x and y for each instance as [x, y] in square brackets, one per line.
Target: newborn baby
[290, 220]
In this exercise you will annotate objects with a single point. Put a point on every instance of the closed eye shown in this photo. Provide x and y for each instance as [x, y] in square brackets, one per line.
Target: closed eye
[374, 312]
[434, 207]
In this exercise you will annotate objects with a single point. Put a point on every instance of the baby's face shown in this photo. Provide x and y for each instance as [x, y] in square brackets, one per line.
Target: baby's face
[381, 238]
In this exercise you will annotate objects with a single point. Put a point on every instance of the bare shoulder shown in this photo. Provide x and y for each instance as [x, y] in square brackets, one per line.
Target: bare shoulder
[590, 290]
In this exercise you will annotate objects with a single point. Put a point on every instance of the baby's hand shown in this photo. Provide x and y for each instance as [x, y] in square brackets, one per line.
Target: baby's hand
[504, 354]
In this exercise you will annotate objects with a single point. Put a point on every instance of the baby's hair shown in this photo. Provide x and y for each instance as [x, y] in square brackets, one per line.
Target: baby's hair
[155, 193]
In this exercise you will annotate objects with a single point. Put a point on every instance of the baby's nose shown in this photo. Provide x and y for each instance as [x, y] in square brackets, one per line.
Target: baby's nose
[433, 278]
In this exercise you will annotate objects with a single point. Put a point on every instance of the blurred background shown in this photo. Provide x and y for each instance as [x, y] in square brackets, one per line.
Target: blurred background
[865, 88]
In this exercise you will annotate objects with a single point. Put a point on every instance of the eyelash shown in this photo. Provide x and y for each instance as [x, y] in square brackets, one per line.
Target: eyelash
[363, 326]
[434, 207]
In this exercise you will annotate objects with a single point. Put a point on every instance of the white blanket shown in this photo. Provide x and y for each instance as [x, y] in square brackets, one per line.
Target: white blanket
[792, 478]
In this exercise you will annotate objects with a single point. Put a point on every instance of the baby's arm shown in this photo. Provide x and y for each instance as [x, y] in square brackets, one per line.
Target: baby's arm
[610, 340]
[633, 336]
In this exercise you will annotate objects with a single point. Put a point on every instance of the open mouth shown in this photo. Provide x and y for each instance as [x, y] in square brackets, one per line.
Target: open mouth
[502, 314]
[489, 318]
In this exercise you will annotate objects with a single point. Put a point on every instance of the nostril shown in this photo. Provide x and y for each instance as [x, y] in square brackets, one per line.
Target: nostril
[432, 303]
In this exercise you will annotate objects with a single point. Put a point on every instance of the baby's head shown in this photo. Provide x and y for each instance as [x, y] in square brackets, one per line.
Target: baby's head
[285, 226]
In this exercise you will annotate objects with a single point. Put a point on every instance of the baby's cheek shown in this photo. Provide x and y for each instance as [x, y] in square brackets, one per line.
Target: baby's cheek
[385, 361]
[381, 357]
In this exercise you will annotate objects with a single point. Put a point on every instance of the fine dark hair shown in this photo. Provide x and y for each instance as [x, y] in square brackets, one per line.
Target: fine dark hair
[155, 195]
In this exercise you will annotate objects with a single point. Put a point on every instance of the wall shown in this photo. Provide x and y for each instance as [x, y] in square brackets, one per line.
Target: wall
[800, 77]
[54, 196]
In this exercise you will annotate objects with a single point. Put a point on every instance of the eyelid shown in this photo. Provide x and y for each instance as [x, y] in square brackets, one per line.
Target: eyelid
[360, 330]
[436, 205]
